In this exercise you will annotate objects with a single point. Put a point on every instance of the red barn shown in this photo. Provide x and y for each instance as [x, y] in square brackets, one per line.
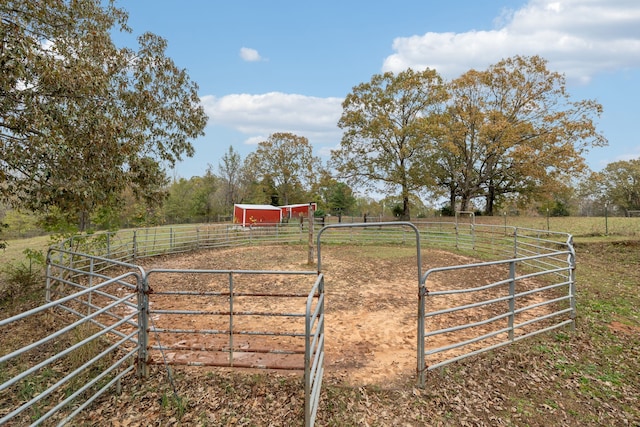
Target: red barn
[247, 215]
[296, 211]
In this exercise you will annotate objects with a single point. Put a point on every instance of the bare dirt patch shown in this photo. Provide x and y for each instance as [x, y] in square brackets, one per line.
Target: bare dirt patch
[371, 308]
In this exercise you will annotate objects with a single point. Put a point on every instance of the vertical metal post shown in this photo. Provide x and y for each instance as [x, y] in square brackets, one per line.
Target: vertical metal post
[143, 325]
[572, 281]
[90, 286]
[504, 214]
[47, 295]
[473, 237]
[108, 245]
[135, 245]
[457, 246]
[606, 219]
[547, 219]
[307, 366]
[422, 367]
[512, 299]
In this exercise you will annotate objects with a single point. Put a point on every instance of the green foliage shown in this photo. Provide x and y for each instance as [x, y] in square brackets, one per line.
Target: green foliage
[19, 223]
[23, 277]
[284, 164]
[83, 120]
[554, 208]
[621, 184]
[447, 210]
[198, 198]
[230, 171]
[388, 132]
[339, 198]
[397, 210]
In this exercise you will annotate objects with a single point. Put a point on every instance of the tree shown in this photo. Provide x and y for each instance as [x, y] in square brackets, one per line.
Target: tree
[82, 120]
[230, 170]
[204, 200]
[334, 196]
[621, 184]
[178, 206]
[388, 132]
[591, 195]
[513, 129]
[286, 162]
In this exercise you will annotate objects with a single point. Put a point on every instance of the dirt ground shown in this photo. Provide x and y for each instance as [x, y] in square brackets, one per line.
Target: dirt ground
[371, 309]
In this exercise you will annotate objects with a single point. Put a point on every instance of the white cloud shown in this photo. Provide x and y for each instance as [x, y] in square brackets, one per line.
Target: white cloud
[250, 55]
[579, 38]
[258, 116]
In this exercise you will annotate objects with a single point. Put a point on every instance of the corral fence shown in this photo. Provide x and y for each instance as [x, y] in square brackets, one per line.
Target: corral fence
[106, 318]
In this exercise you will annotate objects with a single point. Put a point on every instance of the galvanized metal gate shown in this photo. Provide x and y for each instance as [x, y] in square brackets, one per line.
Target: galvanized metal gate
[538, 272]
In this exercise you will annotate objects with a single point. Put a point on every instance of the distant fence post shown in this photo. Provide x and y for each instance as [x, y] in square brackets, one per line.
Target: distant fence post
[311, 226]
[135, 245]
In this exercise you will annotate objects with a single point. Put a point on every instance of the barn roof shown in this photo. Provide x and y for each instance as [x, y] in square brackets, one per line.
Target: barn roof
[298, 205]
[260, 207]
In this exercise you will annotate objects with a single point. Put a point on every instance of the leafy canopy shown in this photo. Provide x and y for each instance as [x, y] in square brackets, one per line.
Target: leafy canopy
[286, 166]
[512, 129]
[388, 130]
[81, 119]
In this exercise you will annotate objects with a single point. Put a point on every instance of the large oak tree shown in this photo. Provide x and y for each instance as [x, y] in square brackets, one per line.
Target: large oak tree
[82, 119]
[388, 130]
[512, 129]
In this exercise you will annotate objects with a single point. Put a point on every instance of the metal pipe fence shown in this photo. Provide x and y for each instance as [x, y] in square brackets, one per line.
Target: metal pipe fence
[251, 318]
[69, 359]
[534, 295]
[104, 300]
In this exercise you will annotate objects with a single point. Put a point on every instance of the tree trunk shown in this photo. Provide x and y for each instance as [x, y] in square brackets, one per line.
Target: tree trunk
[452, 200]
[490, 200]
[464, 203]
[405, 209]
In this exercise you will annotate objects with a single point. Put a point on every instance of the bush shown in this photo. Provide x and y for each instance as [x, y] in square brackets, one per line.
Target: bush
[22, 278]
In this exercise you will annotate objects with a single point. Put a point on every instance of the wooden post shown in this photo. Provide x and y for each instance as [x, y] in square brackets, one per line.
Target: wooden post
[311, 225]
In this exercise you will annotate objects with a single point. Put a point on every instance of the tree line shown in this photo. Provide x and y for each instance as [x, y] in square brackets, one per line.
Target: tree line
[89, 132]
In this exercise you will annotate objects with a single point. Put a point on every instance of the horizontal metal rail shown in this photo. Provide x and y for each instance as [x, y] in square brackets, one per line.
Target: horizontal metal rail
[224, 309]
[544, 271]
[62, 391]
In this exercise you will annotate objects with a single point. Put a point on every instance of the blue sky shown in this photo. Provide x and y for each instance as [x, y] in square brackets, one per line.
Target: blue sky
[285, 66]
